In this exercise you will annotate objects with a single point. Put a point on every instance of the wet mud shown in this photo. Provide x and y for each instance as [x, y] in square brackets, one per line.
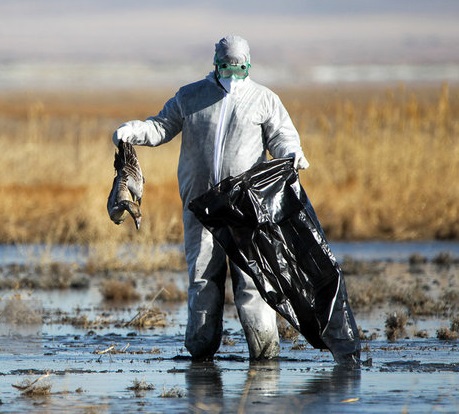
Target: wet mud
[73, 349]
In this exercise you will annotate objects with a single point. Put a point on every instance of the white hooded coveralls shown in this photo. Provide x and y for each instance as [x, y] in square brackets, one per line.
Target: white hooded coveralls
[233, 130]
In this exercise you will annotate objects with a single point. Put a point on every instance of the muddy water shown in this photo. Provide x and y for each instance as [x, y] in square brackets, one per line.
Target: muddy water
[94, 369]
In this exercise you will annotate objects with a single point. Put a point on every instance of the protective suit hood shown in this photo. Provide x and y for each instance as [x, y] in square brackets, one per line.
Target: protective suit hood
[233, 50]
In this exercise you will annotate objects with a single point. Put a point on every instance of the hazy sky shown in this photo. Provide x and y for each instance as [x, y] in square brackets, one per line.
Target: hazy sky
[283, 35]
[301, 31]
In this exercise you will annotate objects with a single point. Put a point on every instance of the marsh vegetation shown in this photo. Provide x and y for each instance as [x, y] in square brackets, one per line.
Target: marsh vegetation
[384, 165]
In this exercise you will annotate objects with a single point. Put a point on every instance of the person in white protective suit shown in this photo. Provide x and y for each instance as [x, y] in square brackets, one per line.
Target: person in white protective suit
[228, 123]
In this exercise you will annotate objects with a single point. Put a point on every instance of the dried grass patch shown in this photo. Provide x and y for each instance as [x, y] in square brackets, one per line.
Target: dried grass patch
[148, 317]
[119, 291]
[370, 149]
[142, 258]
[417, 301]
[174, 392]
[169, 292]
[451, 333]
[446, 334]
[455, 324]
[34, 388]
[366, 292]
[395, 325]
[286, 331]
[140, 387]
[84, 322]
[115, 350]
[16, 310]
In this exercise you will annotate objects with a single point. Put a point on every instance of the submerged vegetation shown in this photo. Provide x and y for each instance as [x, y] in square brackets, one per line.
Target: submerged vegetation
[384, 164]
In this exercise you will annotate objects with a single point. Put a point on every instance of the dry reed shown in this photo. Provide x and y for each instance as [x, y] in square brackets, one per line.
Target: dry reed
[170, 292]
[140, 387]
[446, 334]
[395, 325]
[384, 164]
[17, 310]
[148, 317]
[119, 291]
[174, 392]
[34, 388]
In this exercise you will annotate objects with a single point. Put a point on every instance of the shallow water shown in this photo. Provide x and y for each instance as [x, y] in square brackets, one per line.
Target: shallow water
[393, 251]
[413, 375]
[92, 369]
[367, 250]
[398, 381]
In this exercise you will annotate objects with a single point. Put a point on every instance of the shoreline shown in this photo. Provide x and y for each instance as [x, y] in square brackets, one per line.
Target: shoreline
[68, 77]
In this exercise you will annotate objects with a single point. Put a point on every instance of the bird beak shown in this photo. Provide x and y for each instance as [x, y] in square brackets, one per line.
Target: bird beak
[137, 222]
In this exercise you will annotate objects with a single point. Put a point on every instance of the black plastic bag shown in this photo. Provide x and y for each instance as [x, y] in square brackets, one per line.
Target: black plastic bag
[267, 226]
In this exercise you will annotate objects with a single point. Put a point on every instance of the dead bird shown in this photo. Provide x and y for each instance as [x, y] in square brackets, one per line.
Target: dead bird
[126, 194]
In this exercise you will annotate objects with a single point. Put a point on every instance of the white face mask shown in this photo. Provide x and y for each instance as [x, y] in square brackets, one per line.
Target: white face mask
[230, 84]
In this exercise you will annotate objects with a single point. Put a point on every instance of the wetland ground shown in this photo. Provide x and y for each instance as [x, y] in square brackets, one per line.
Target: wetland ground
[78, 347]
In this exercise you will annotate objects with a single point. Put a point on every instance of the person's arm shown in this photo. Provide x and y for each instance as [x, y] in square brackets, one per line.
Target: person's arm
[155, 130]
[282, 138]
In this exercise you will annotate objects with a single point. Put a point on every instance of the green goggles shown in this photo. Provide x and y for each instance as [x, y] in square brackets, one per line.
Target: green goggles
[238, 71]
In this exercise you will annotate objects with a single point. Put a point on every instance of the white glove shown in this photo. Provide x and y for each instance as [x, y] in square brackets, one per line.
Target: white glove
[122, 133]
[300, 162]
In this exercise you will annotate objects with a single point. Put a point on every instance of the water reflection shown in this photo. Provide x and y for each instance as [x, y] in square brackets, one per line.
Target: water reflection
[340, 382]
[204, 387]
[263, 378]
[263, 386]
[320, 391]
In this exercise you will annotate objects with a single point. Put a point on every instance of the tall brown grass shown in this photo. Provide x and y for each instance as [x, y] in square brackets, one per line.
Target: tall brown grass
[384, 164]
